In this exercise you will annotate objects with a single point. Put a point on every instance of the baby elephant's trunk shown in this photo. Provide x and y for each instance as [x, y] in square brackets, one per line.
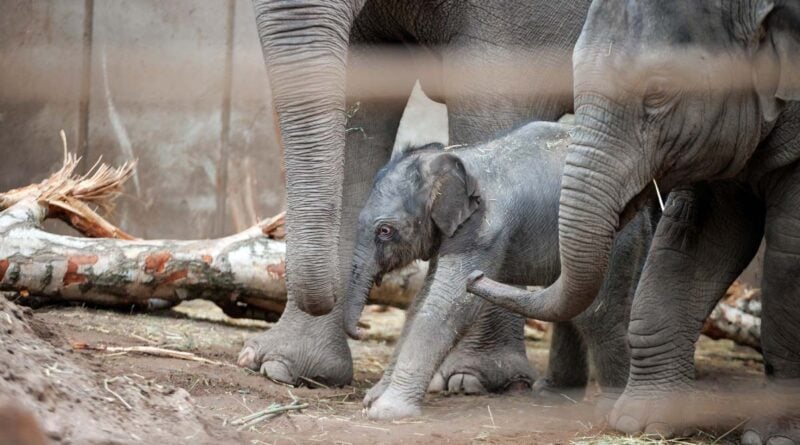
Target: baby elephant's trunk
[362, 277]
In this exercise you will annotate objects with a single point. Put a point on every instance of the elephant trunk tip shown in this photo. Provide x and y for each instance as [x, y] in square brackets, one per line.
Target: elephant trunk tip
[352, 329]
[473, 277]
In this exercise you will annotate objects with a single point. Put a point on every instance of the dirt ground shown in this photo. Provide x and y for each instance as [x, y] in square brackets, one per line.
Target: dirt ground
[180, 401]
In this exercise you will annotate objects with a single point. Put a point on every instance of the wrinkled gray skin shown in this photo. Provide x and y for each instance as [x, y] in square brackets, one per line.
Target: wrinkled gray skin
[491, 206]
[685, 92]
[309, 49]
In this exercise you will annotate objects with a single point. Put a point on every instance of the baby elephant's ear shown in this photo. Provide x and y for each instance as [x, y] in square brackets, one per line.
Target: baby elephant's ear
[454, 193]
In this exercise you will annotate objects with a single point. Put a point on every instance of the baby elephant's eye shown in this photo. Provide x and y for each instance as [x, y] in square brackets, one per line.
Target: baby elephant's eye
[385, 232]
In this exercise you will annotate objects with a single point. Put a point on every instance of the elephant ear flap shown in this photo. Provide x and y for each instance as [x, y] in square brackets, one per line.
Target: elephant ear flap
[778, 58]
[454, 193]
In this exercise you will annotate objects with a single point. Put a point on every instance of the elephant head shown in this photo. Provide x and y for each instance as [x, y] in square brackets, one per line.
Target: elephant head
[305, 48]
[677, 91]
[419, 198]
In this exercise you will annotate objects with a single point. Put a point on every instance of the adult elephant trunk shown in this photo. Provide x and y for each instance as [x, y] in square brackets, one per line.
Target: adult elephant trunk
[305, 49]
[362, 277]
[599, 182]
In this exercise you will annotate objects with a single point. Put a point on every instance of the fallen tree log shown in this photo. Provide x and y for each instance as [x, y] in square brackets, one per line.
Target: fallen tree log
[737, 317]
[155, 274]
[244, 273]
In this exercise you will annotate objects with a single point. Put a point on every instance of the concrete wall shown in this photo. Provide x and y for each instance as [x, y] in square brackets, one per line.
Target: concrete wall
[179, 85]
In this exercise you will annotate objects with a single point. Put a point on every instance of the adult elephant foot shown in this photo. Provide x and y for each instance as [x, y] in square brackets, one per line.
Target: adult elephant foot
[470, 369]
[653, 413]
[772, 431]
[301, 350]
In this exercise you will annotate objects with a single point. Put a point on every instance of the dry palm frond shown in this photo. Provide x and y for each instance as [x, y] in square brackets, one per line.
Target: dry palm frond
[100, 186]
[70, 197]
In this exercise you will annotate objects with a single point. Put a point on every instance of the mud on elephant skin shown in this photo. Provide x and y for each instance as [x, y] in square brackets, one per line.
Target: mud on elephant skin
[685, 92]
[492, 206]
[339, 106]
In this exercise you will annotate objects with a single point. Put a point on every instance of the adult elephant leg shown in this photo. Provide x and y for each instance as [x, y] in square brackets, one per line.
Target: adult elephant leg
[706, 237]
[779, 422]
[489, 358]
[302, 346]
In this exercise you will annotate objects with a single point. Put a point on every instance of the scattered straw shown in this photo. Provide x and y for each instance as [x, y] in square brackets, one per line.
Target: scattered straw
[150, 350]
[270, 412]
[119, 397]
[491, 416]
[658, 193]
[718, 439]
[314, 382]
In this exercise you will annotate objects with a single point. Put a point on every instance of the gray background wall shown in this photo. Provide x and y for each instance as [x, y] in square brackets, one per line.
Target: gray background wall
[180, 85]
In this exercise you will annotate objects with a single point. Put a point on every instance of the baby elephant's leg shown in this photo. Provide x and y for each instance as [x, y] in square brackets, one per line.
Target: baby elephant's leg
[567, 370]
[378, 389]
[610, 357]
[490, 358]
[441, 319]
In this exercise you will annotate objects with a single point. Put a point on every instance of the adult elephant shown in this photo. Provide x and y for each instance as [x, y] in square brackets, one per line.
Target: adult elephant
[685, 92]
[340, 72]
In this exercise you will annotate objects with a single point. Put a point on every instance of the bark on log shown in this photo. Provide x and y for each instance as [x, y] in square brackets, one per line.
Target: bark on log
[246, 267]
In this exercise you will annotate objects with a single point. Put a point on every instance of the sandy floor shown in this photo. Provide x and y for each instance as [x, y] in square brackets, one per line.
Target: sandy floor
[221, 393]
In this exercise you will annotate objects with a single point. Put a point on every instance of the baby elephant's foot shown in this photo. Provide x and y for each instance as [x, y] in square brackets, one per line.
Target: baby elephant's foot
[473, 372]
[376, 391]
[772, 431]
[392, 405]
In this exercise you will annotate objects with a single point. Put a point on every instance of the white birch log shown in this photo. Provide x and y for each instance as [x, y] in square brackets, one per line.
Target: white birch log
[243, 273]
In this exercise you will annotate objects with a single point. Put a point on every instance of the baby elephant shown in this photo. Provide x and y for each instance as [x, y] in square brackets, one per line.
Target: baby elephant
[490, 207]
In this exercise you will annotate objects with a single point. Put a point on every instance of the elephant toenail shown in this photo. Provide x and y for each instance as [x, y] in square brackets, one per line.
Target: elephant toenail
[751, 437]
[246, 357]
[437, 383]
[455, 383]
[277, 371]
[780, 440]
[660, 429]
[628, 424]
